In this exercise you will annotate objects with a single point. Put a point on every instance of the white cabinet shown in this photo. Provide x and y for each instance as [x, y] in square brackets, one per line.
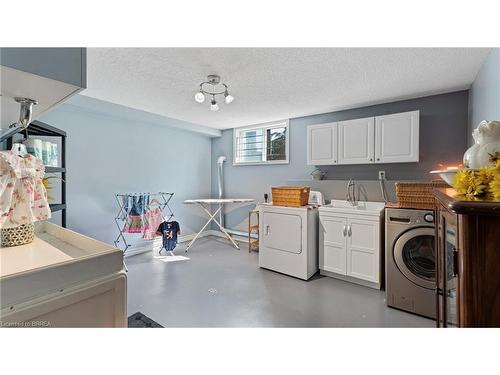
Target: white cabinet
[349, 247]
[332, 234]
[63, 279]
[383, 139]
[322, 144]
[397, 138]
[60, 64]
[363, 250]
[356, 141]
[48, 75]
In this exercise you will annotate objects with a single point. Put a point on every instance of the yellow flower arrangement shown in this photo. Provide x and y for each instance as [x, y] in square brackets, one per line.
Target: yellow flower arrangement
[495, 181]
[478, 183]
[495, 187]
[48, 186]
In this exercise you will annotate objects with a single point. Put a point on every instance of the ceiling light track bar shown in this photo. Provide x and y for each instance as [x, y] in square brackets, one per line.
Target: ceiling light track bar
[213, 80]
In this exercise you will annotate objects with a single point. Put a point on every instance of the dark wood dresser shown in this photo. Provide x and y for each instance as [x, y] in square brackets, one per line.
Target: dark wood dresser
[468, 261]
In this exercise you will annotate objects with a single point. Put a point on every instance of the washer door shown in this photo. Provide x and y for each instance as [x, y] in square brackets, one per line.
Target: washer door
[415, 256]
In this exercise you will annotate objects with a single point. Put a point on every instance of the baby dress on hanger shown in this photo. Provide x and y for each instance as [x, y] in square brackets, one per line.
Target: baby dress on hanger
[135, 222]
[23, 198]
[152, 219]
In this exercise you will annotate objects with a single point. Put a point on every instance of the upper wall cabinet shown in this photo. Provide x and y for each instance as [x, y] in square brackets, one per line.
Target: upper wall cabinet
[383, 139]
[396, 137]
[48, 75]
[322, 144]
[356, 141]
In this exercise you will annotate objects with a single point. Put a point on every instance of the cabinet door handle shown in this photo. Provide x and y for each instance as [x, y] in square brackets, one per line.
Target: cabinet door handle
[455, 262]
[349, 231]
[267, 230]
[344, 231]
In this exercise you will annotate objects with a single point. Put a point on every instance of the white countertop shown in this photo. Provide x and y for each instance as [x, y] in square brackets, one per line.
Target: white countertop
[53, 245]
[24, 258]
[56, 259]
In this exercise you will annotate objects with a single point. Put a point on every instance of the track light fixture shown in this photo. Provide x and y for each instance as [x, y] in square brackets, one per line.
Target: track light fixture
[213, 87]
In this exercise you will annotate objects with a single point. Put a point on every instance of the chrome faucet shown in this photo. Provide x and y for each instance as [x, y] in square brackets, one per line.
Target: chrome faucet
[351, 193]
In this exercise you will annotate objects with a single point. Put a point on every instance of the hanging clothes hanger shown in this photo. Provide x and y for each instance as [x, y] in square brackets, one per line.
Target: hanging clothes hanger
[154, 201]
[19, 149]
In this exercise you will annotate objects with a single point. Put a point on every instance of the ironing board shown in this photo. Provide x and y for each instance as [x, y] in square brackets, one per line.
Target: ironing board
[205, 205]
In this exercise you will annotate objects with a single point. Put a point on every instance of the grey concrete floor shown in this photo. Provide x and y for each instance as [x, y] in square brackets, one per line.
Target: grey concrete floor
[223, 287]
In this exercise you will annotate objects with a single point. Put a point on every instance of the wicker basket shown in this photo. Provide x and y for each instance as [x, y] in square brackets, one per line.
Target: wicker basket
[20, 235]
[290, 196]
[417, 194]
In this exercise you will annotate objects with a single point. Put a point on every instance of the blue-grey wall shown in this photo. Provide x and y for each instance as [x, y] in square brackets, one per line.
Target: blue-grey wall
[485, 93]
[108, 154]
[443, 139]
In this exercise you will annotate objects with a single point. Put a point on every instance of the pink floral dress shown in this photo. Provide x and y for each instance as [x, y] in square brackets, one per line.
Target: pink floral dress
[153, 219]
[23, 198]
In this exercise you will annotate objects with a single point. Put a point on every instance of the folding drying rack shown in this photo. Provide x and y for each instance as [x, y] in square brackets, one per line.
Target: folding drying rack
[122, 215]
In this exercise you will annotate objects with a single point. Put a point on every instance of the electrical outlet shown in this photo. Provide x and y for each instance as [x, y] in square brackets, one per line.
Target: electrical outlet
[381, 175]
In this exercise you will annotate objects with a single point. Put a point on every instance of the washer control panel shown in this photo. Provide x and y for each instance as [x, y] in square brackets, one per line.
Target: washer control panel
[409, 216]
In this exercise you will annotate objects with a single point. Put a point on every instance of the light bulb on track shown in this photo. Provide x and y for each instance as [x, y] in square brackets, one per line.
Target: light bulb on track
[214, 106]
[229, 98]
[199, 97]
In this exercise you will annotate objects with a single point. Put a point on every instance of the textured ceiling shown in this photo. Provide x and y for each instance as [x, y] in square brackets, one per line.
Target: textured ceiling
[274, 83]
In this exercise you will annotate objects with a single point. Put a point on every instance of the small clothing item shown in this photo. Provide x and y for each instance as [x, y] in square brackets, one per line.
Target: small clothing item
[146, 202]
[152, 219]
[140, 205]
[23, 198]
[126, 206]
[169, 230]
[135, 222]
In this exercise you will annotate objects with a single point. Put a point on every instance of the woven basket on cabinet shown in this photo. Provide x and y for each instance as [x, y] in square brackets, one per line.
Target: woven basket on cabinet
[417, 194]
[290, 196]
[20, 235]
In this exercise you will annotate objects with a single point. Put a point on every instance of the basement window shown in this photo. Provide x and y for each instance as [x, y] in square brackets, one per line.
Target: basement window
[261, 144]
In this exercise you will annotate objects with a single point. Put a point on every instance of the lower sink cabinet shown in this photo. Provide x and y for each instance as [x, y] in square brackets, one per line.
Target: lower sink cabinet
[349, 248]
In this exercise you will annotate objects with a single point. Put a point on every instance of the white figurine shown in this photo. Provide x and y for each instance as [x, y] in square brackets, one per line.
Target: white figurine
[486, 148]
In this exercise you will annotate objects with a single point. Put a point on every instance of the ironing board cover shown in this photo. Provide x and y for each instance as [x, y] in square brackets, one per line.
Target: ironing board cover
[219, 201]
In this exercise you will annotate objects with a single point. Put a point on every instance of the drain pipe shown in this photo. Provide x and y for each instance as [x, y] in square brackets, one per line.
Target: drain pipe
[220, 183]
[220, 180]
[381, 178]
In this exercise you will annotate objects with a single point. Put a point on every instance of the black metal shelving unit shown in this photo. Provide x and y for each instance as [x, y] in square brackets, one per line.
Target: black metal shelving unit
[38, 128]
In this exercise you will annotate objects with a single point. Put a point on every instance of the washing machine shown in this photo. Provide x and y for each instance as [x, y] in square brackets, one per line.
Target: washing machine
[289, 240]
[410, 260]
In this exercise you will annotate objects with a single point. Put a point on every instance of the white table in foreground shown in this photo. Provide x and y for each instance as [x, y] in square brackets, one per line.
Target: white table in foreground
[62, 279]
[205, 205]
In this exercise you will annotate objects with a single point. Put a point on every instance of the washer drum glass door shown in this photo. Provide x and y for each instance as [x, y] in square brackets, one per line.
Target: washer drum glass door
[415, 256]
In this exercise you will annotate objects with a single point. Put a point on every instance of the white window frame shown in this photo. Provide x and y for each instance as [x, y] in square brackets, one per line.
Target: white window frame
[265, 127]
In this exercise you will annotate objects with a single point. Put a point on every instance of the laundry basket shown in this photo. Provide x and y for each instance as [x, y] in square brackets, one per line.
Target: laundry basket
[417, 194]
[290, 196]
